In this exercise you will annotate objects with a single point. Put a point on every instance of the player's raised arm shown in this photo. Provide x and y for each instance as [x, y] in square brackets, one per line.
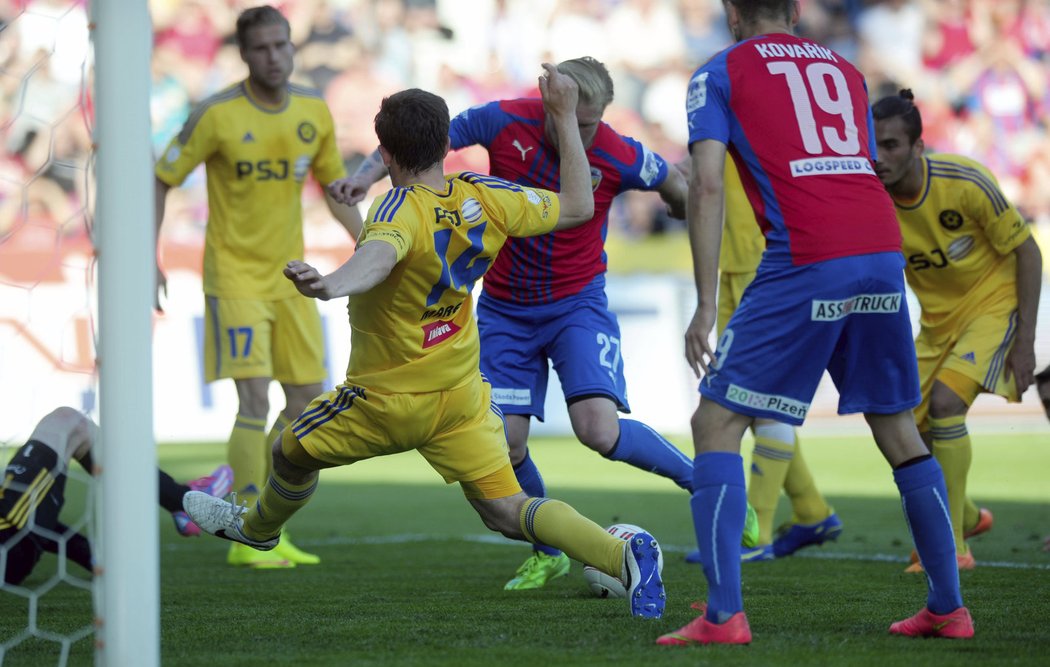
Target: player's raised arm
[705, 211]
[560, 95]
[369, 266]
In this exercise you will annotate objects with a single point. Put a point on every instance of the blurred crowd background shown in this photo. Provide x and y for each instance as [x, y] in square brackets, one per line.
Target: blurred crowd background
[980, 71]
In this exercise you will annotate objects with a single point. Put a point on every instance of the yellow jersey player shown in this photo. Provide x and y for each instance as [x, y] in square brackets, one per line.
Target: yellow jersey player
[413, 380]
[976, 271]
[258, 140]
[776, 461]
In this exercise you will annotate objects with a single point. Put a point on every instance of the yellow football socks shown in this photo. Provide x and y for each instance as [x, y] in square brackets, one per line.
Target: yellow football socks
[279, 500]
[247, 453]
[807, 504]
[278, 426]
[953, 450]
[556, 524]
[769, 467]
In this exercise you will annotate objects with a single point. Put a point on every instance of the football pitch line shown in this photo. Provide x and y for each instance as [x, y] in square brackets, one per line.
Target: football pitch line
[408, 538]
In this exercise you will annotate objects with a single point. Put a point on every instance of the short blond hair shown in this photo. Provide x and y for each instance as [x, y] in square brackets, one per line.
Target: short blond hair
[596, 86]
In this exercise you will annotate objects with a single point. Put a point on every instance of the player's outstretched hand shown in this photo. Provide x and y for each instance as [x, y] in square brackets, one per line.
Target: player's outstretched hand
[307, 279]
[697, 348]
[348, 190]
[559, 92]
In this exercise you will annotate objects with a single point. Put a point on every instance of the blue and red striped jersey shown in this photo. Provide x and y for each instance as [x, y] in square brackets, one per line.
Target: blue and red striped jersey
[796, 119]
[546, 268]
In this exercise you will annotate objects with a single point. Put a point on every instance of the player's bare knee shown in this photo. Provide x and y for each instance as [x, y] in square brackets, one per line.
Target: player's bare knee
[599, 435]
[946, 403]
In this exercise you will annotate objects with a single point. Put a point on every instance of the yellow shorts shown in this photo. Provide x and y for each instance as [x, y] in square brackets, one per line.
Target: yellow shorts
[459, 432]
[731, 287]
[977, 353]
[280, 339]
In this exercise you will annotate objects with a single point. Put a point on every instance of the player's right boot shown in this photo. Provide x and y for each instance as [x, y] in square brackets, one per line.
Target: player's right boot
[222, 518]
[641, 572]
[537, 570]
[216, 484]
[702, 631]
[792, 537]
[955, 625]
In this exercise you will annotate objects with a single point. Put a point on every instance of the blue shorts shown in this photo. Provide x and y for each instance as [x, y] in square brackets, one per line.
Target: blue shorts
[577, 334]
[846, 315]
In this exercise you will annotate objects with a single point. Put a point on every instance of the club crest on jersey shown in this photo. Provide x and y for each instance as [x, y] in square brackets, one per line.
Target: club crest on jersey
[437, 332]
[696, 97]
[471, 210]
[596, 178]
[951, 220]
[307, 132]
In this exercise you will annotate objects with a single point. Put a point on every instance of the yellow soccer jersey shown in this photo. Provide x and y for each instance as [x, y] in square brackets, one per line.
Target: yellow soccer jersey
[416, 332]
[257, 159]
[742, 240]
[958, 238]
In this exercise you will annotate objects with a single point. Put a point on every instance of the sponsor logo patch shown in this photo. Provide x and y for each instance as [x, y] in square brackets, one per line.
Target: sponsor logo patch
[437, 332]
[771, 402]
[650, 166]
[830, 311]
[960, 247]
[302, 166]
[471, 210]
[696, 97]
[173, 154]
[830, 166]
[505, 396]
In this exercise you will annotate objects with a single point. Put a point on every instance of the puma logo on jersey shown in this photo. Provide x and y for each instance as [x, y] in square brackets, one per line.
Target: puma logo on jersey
[517, 144]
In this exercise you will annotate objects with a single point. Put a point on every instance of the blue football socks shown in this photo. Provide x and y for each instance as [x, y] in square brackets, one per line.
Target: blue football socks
[719, 506]
[644, 448]
[924, 498]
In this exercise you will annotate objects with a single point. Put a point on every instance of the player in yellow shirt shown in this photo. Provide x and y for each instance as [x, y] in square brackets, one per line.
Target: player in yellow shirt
[258, 140]
[776, 461]
[413, 381]
[976, 271]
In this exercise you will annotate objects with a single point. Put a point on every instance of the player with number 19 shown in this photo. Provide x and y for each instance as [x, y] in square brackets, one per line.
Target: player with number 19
[828, 294]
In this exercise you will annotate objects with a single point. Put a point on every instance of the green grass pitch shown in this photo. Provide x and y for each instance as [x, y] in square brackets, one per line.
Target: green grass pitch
[410, 576]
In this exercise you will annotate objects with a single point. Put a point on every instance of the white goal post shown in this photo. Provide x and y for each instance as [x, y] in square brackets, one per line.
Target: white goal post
[127, 553]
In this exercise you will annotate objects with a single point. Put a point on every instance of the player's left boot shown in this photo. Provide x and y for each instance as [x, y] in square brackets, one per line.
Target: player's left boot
[641, 573]
[966, 561]
[748, 541]
[537, 570]
[702, 631]
[955, 625]
[293, 554]
[983, 525]
[216, 484]
[792, 537]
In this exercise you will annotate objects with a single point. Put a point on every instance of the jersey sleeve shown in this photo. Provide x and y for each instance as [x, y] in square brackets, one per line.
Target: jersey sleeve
[648, 172]
[328, 163]
[707, 103]
[477, 125]
[192, 145]
[1002, 223]
[385, 224]
[523, 211]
